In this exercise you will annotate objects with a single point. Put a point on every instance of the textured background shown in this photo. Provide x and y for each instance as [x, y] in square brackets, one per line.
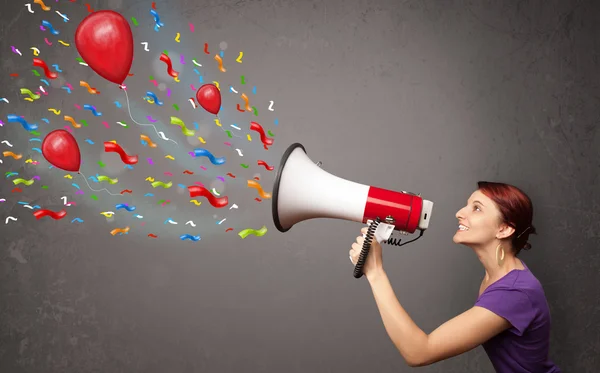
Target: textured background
[424, 96]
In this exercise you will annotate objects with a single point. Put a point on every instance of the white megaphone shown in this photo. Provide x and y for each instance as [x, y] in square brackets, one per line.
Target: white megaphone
[304, 191]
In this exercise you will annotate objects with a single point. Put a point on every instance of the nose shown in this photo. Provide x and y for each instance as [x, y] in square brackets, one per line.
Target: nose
[459, 214]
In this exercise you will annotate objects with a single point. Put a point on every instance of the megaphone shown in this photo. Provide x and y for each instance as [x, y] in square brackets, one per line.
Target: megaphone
[303, 190]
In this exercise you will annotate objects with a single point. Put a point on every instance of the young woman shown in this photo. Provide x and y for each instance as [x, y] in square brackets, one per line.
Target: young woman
[510, 318]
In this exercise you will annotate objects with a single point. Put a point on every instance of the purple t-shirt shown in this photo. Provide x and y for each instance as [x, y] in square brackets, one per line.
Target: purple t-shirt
[523, 348]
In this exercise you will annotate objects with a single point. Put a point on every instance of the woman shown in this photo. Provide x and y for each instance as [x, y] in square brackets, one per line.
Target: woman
[510, 318]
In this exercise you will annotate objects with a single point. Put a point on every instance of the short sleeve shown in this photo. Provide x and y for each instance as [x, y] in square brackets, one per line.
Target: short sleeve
[511, 304]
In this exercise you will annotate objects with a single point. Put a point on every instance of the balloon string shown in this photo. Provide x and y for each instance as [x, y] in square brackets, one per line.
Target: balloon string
[161, 135]
[88, 184]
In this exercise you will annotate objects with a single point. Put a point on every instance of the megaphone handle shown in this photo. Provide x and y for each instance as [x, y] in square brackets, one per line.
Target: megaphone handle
[358, 268]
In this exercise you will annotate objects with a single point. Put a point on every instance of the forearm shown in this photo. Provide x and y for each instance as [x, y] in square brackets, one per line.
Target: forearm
[408, 338]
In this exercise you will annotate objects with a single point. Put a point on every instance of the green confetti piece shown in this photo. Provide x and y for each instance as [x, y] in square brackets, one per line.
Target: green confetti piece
[101, 164]
[35, 73]
[44, 186]
[106, 178]
[242, 80]
[151, 77]
[244, 165]
[228, 133]
[23, 181]
[35, 133]
[134, 21]
[79, 59]
[160, 183]
[84, 122]
[255, 110]
[166, 52]
[270, 133]
[186, 131]
[259, 233]
[94, 197]
[175, 107]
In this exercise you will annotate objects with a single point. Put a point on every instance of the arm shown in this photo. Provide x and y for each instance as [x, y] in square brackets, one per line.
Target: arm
[456, 336]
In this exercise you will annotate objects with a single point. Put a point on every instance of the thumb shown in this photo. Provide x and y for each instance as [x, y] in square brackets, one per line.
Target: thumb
[364, 230]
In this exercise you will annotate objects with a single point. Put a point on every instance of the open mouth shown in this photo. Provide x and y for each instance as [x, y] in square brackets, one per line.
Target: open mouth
[462, 228]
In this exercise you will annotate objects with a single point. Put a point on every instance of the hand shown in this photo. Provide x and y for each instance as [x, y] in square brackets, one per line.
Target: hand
[374, 262]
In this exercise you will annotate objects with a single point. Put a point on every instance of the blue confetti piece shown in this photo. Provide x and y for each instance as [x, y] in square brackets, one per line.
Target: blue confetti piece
[89, 141]
[138, 216]
[181, 186]
[76, 186]
[93, 178]
[196, 71]
[144, 143]
[276, 121]
[36, 207]
[46, 120]
[35, 139]
[48, 25]
[152, 95]
[148, 195]
[221, 53]
[184, 237]
[66, 89]
[92, 109]
[11, 174]
[254, 90]
[168, 220]
[57, 68]
[201, 80]
[45, 81]
[196, 125]
[37, 150]
[125, 206]
[15, 118]
[128, 166]
[23, 203]
[118, 104]
[156, 19]
[77, 220]
[200, 152]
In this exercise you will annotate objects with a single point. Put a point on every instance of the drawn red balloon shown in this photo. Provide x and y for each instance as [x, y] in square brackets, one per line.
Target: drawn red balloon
[61, 150]
[105, 42]
[209, 97]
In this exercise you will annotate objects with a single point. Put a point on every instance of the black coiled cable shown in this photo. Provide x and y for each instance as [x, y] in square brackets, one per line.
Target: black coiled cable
[358, 268]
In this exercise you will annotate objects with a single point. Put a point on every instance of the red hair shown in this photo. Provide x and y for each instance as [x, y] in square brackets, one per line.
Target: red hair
[515, 208]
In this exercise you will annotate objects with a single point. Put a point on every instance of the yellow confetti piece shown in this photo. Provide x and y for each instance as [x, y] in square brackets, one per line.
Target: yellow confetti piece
[169, 157]
[115, 141]
[217, 84]
[249, 138]
[29, 160]
[108, 214]
[57, 112]
[201, 140]
[150, 179]
[197, 203]
[68, 177]
[36, 52]
[217, 122]
[177, 79]
[63, 43]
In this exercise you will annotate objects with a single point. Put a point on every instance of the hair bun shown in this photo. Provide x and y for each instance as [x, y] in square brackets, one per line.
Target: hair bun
[527, 246]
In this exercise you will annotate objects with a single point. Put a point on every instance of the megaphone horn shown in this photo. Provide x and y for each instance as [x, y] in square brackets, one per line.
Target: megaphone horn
[303, 190]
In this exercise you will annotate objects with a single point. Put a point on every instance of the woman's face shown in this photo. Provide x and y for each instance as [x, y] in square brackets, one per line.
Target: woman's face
[480, 218]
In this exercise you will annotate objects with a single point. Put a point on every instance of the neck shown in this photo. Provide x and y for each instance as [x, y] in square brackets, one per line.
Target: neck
[487, 257]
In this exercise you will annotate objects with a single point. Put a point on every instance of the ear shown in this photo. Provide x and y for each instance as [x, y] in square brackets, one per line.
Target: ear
[505, 231]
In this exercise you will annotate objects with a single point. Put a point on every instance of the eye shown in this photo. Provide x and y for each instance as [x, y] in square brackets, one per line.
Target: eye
[476, 208]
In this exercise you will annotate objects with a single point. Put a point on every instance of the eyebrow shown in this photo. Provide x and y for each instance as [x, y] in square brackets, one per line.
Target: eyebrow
[479, 203]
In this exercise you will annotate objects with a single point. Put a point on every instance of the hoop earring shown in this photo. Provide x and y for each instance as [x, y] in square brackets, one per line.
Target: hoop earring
[501, 259]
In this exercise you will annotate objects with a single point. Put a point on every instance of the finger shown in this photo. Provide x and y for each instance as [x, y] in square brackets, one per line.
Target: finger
[364, 230]
[360, 240]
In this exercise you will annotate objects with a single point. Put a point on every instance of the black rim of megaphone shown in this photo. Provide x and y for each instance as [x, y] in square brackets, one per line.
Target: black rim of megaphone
[284, 159]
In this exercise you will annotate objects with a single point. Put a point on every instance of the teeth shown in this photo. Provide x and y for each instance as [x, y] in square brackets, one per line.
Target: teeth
[462, 227]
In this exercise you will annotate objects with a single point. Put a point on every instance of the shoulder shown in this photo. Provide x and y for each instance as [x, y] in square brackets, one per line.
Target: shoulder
[519, 299]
